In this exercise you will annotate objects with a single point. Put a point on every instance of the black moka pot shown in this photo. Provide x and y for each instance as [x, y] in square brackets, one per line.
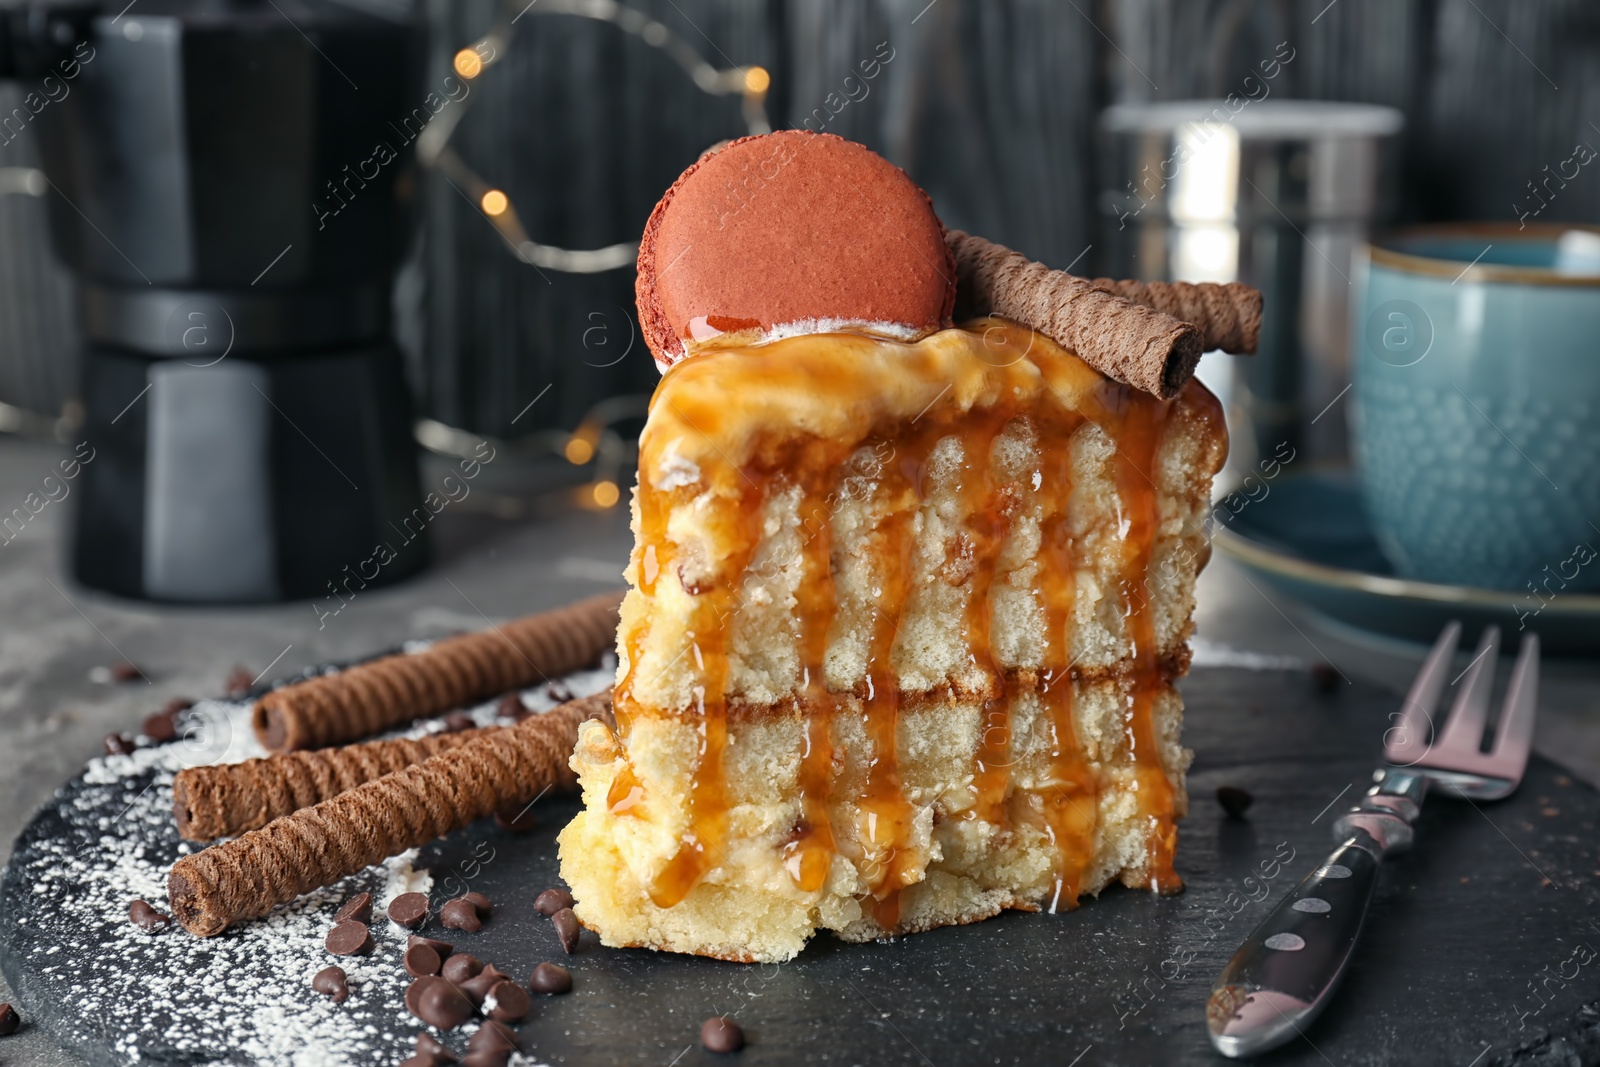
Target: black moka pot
[214, 188]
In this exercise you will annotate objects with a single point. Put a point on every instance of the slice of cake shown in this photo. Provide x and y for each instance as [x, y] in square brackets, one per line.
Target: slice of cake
[907, 601]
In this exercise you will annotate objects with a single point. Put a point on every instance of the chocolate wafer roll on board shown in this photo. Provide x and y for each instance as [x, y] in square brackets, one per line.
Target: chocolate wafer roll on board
[249, 876]
[229, 798]
[457, 671]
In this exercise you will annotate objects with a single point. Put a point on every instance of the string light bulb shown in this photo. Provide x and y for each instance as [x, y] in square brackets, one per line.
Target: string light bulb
[756, 80]
[606, 494]
[494, 203]
[579, 451]
[468, 63]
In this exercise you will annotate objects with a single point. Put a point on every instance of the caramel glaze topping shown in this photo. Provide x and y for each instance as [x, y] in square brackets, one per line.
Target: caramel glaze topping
[745, 422]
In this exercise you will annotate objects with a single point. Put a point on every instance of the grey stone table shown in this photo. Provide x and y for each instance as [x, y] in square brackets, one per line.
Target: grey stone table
[490, 564]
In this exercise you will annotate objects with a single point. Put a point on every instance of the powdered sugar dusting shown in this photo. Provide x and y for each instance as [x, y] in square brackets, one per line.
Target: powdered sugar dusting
[243, 997]
[213, 731]
[400, 877]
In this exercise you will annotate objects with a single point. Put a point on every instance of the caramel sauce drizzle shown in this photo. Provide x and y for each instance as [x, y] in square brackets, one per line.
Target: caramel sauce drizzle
[626, 793]
[1140, 429]
[710, 630]
[1066, 801]
[988, 521]
[887, 810]
[808, 853]
[1068, 797]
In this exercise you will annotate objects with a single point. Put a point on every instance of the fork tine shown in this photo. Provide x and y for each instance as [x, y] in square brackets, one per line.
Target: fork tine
[1407, 741]
[1514, 734]
[1463, 730]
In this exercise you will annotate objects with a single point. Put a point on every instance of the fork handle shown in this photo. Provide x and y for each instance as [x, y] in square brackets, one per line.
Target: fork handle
[1288, 968]
[1286, 971]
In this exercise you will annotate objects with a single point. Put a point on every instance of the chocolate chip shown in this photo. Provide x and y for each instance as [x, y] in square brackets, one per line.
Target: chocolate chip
[145, 917]
[119, 744]
[442, 1005]
[558, 692]
[493, 1036]
[358, 907]
[125, 672]
[239, 681]
[409, 910]
[510, 706]
[460, 967]
[480, 902]
[159, 728]
[420, 960]
[457, 721]
[349, 938]
[550, 978]
[9, 1020]
[414, 994]
[511, 1002]
[519, 820]
[566, 924]
[177, 705]
[330, 982]
[487, 1057]
[551, 901]
[721, 1034]
[1234, 801]
[459, 914]
[428, 1045]
[1324, 676]
[443, 948]
[478, 987]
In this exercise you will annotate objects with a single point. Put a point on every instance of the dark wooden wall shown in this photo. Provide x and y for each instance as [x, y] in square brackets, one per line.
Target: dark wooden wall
[583, 126]
[990, 104]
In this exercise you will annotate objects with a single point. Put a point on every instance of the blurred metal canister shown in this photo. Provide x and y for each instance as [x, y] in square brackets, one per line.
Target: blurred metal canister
[1274, 193]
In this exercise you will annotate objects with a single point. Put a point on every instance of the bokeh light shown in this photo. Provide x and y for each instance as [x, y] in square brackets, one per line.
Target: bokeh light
[579, 451]
[468, 64]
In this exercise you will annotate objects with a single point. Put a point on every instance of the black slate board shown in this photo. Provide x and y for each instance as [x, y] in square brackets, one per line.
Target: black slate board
[1493, 902]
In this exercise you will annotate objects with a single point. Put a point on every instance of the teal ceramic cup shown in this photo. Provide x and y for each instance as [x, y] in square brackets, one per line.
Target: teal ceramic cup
[1476, 416]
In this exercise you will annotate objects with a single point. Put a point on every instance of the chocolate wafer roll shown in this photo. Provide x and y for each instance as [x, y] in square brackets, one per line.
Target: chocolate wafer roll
[1228, 315]
[227, 799]
[247, 877]
[1122, 340]
[458, 671]
[1148, 335]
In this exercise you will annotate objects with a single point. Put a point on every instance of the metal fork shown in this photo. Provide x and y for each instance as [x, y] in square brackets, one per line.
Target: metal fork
[1286, 971]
